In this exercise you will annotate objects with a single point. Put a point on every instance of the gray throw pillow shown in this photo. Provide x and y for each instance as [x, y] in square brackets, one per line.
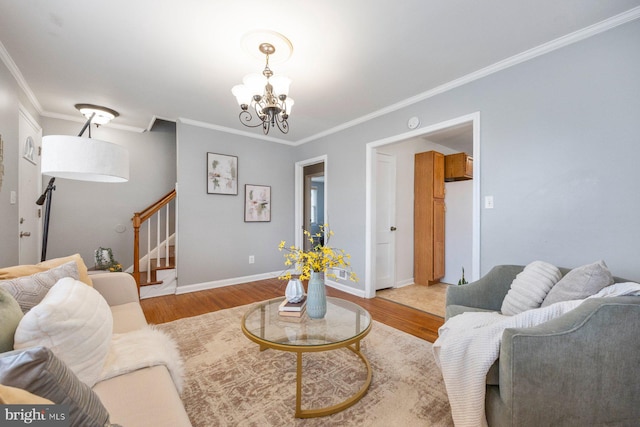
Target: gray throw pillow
[30, 290]
[38, 371]
[10, 315]
[580, 283]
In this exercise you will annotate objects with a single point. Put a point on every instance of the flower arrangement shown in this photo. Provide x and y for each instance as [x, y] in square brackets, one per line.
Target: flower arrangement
[319, 259]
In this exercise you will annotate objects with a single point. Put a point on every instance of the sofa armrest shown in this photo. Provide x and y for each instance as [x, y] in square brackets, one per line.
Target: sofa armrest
[486, 293]
[567, 368]
[116, 288]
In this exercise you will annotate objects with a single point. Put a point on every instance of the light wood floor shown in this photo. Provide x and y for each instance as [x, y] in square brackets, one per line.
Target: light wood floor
[172, 307]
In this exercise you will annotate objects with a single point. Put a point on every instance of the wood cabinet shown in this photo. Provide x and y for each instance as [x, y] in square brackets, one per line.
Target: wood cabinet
[429, 217]
[458, 167]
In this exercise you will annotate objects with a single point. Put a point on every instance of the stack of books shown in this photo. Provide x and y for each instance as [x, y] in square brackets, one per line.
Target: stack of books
[291, 309]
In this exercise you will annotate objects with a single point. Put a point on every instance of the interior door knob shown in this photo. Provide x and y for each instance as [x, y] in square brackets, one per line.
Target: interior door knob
[25, 234]
[393, 228]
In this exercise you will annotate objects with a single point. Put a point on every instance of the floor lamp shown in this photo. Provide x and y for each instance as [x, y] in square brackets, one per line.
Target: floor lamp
[81, 158]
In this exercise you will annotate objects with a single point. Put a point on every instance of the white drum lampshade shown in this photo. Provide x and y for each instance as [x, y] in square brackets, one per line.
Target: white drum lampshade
[84, 159]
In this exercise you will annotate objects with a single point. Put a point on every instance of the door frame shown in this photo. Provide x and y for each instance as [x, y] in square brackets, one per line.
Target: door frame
[299, 195]
[370, 216]
[23, 113]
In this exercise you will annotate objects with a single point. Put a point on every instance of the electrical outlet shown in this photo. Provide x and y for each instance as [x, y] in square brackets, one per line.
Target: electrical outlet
[252, 259]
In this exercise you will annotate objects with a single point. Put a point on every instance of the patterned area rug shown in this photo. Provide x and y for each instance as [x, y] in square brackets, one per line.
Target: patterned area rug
[230, 382]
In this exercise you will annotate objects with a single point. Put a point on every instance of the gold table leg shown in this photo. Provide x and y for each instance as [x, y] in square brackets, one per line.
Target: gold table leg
[321, 412]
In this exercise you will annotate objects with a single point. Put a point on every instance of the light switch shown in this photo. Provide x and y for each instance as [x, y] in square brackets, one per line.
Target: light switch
[488, 202]
[13, 198]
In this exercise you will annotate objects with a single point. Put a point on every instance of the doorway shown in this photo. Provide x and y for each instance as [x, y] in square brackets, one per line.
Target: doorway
[29, 188]
[311, 205]
[472, 120]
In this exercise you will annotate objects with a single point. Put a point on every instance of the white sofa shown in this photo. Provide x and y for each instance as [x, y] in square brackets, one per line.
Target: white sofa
[146, 397]
[140, 396]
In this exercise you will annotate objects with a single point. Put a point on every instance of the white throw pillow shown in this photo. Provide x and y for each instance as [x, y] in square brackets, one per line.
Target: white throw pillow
[580, 283]
[75, 322]
[530, 287]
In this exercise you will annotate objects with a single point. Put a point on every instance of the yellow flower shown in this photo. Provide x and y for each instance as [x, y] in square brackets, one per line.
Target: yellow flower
[319, 258]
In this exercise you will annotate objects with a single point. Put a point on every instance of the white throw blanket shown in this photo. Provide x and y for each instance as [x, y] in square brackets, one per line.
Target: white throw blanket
[143, 348]
[469, 344]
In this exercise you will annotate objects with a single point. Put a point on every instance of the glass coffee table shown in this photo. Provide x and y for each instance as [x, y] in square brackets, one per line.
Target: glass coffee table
[344, 325]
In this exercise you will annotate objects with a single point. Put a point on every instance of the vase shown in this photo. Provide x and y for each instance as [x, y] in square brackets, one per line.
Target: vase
[316, 296]
[294, 291]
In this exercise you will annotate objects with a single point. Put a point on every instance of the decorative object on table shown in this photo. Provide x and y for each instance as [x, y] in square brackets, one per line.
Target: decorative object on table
[104, 260]
[257, 203]
[294, 291]
[462, 281]
[222, 174]
[321, 258]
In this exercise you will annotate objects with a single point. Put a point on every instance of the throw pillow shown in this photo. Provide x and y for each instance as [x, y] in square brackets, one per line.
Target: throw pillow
[30, 290]
[38, 371]
[10, 315]
[580, 283]
[28, 270]
[17, 396]
[530, 287]
[75, 322]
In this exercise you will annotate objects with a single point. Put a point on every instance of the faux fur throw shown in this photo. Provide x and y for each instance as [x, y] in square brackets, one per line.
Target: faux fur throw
[143, 348]
[469, 343]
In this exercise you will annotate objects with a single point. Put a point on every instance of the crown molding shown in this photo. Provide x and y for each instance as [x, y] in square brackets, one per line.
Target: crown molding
[81, 119]
[15, 72]
[234, 131]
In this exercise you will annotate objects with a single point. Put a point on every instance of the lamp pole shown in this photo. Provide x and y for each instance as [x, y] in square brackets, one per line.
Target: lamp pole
[47, 211]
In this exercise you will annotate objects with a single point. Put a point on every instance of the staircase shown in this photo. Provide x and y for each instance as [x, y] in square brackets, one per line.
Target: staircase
[154, 234]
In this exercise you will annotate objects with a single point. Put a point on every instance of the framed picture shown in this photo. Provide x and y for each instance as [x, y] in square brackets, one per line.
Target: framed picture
[222, 174]
[257, 203]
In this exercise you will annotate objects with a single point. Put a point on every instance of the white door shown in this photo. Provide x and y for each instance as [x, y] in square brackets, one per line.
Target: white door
[29, 185]
[385, 220]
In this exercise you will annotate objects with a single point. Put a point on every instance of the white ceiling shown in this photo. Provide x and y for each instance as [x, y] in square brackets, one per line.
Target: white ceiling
[352, 58]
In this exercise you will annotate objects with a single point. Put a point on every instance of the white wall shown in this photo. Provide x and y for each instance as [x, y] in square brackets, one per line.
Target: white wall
[458, 231]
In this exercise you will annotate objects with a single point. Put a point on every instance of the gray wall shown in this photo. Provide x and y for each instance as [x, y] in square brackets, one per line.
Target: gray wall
[559, 148]
[84, 215]
[214, 242]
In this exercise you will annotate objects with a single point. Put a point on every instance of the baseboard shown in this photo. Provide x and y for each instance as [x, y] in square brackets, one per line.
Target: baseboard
[225, 282]
[244, 279]
[404, 283]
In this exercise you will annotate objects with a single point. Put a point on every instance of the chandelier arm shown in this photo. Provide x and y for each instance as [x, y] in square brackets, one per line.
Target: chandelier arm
[246, 118]
[283, 125]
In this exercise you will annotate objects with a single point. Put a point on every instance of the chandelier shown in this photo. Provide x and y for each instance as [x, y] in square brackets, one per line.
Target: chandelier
[264, 98]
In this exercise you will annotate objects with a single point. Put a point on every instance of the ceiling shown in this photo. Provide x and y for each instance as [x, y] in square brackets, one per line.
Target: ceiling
[352, 60]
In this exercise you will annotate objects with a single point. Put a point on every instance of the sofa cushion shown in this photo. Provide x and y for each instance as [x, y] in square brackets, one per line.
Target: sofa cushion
[10, 315]
[28, 270]
[30, 290]
[75, 322]
[530, 287]
[38, 371]
[17, 396]
[580, 283]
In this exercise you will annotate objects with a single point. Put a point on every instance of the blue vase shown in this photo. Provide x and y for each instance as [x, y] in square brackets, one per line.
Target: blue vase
[316, 297]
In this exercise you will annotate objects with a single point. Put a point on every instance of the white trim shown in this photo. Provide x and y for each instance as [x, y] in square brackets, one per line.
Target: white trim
[15, 72]
[347, 289]
[226, 282]
[234, 131]
[371, 147]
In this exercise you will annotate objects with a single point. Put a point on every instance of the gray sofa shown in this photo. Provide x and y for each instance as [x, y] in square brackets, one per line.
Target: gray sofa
[581, 369]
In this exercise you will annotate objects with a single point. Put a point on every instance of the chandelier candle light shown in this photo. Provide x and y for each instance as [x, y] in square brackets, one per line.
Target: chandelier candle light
[267, 95]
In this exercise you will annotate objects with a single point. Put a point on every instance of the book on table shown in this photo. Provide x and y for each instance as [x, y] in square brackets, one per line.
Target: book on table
[292, 314]
[293, 306]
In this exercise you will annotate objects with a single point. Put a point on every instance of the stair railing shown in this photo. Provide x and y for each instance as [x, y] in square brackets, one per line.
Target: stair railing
[148, 215]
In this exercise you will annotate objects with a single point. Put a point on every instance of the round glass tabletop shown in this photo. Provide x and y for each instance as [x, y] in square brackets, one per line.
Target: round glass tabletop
[344, 321]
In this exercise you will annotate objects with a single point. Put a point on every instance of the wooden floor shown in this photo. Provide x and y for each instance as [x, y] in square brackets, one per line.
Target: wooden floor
[172, 307]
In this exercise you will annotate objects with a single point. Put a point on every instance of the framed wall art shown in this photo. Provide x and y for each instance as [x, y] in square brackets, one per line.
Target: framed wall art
[222, 174]
[257, 203]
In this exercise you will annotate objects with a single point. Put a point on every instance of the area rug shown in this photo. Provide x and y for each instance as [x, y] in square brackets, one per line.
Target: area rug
[430, 299]
[230, 382]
